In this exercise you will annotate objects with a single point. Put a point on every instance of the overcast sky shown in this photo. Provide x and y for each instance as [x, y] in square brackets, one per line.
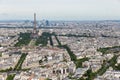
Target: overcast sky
[60, 9]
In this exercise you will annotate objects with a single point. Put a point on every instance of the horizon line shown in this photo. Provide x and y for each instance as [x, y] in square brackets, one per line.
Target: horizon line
[63, 20]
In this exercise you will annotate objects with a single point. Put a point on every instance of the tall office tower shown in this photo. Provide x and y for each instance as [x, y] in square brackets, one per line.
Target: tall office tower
[47, 23]
[34, 29]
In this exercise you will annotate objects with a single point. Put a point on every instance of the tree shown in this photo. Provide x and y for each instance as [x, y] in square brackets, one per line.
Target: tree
[40, 61]
[48, 79]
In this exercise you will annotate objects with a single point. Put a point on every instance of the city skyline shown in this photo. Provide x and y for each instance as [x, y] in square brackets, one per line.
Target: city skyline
[60, 9]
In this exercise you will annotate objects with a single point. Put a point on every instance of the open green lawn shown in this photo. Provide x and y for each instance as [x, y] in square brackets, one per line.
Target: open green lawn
[43, 39]
[24, 39]
[32, 42]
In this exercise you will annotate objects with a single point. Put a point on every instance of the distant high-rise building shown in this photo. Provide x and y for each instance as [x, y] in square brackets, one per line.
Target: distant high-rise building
[44, 23]
[47, 23]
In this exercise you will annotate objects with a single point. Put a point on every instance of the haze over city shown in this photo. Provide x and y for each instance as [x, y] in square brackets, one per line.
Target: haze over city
[60, 9]
[59, 39]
